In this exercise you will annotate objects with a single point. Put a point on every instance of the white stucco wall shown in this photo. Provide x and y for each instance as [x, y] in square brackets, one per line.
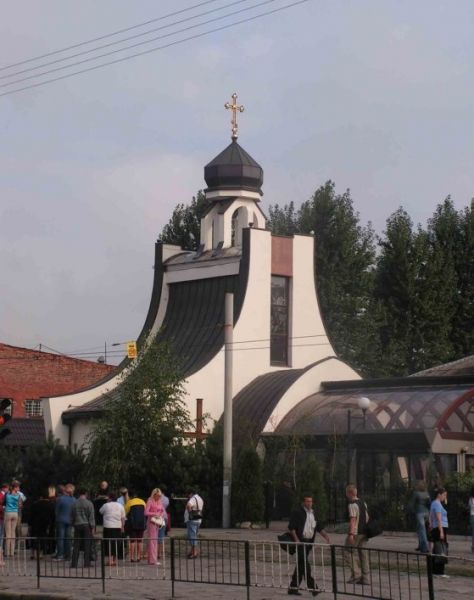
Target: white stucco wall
[308, 340]
[306, 385]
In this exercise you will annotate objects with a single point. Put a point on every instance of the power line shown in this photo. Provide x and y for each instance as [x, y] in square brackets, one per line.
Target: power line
[103, 37]
[155, 39]
[138, 35]
[174, 43]
[121, 352]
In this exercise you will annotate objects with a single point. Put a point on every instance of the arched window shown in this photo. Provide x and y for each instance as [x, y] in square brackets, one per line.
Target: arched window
[233, 225]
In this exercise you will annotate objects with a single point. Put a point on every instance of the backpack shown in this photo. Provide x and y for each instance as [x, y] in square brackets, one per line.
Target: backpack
[136, 518]
[370, 527]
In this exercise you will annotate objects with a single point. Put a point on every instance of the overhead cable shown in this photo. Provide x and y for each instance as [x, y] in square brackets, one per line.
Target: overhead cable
[121, 41]
[129, 47]
[170, 44]
[103, 37]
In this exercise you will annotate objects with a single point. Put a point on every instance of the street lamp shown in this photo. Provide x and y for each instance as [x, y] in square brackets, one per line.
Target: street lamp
[363, 403]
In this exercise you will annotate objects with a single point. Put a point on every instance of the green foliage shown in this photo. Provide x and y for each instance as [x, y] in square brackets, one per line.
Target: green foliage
[140, 439]
[10, 464]
[310, 480]
[283, 221]
[208, 469]
[416, 290]
[184, 227]
[41, 465]
[247, 487]
[344, 257]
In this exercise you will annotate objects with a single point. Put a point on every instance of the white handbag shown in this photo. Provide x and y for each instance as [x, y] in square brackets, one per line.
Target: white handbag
[158, 521]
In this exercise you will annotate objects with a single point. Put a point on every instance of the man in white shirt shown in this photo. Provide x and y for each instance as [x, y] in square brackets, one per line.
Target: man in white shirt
[355, 556]
[193, 520]
[303, 526]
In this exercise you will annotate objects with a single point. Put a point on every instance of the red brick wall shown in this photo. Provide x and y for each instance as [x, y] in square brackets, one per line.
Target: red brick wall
[30, 375]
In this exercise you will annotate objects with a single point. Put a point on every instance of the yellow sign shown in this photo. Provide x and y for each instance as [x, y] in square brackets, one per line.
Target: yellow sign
[132, 349]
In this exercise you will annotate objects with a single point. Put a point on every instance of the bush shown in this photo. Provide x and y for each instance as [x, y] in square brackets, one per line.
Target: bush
[247, 488]
[310, 480]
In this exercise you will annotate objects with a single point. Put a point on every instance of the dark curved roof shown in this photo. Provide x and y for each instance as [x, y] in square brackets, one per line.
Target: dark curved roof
[463, 366]
[233, 168]
[194, 321]
[254, 404]
[193, 325]
[448, 409]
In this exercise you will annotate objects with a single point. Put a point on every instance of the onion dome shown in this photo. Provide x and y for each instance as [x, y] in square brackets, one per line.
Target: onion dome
[234, 169]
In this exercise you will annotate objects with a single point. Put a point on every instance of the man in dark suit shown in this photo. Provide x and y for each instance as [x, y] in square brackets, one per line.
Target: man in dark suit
[303, 526]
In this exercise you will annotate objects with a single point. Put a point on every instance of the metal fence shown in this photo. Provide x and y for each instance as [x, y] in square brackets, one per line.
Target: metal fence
[246, 564]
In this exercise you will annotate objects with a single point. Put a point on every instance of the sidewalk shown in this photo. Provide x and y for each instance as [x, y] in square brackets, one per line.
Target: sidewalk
[147, 582]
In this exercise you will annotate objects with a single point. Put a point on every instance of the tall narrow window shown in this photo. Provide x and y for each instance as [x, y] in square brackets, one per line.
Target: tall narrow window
[279, 321]
[234, 225]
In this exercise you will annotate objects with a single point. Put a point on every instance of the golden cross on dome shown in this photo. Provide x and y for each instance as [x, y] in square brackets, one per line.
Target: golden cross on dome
[235, 109]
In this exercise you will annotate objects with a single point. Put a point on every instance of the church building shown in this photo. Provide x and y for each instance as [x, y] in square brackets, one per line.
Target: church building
[281, 352]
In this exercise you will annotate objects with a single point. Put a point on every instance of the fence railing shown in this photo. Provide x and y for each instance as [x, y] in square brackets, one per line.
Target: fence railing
[381, 574]
[340, 570]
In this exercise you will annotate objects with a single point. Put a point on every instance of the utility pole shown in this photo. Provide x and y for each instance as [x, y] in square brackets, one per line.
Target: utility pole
[228, 357]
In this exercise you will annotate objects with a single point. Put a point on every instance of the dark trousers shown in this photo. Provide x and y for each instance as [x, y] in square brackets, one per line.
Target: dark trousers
[438, 563]
[82, 540]
[303, 568]
[113, 542]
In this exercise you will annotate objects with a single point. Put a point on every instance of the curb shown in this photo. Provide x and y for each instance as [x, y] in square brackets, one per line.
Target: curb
[32, 596]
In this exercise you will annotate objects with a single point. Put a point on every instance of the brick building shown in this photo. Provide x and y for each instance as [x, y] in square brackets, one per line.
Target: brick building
[27, 375]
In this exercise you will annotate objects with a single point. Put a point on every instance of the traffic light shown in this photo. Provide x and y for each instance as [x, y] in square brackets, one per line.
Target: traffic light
[5, 415]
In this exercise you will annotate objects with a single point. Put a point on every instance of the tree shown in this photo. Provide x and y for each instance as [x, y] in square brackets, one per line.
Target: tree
[247, 487]
[10, 463]
[417, 292]
[41, 465]
[344, 260]
[344, 253]
[310, 480]
[184, 227]
[49, 464]
[208, 468]
[463, 320]
[140, 440]
[283, 221]
[452, 235]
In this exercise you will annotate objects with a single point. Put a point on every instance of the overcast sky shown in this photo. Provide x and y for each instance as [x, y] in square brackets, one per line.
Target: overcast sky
[374, 94]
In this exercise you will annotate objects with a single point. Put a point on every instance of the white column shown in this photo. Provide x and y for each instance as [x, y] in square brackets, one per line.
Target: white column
[227, 483]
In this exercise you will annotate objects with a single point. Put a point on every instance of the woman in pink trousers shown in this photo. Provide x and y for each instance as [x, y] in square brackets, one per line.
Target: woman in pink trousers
[153, 508]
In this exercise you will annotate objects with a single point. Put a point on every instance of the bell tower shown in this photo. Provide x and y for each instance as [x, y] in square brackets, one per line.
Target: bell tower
[234, 181]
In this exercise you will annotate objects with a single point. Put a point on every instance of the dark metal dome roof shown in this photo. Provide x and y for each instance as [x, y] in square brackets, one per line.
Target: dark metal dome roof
[234, 168]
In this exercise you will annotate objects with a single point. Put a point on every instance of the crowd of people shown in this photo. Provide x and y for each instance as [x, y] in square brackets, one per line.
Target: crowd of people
[63, 522]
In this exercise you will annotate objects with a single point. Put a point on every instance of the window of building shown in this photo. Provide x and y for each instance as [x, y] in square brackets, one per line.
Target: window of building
[233, 226]
[470, 463]
[446, 464]
[33, 408]
[279, 320]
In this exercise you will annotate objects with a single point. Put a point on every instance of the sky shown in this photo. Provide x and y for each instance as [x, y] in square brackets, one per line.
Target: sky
[375, 95]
